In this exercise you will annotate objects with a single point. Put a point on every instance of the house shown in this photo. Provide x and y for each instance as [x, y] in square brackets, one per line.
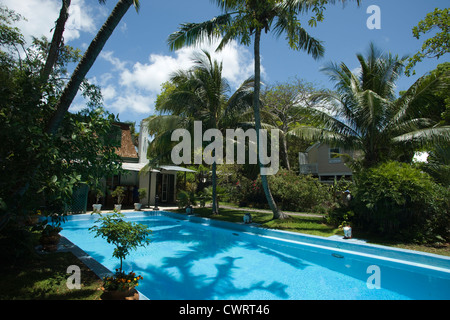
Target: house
[324, 161]
[160, 181]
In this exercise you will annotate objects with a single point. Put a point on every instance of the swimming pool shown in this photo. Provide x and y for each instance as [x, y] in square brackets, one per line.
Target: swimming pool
[201, 259]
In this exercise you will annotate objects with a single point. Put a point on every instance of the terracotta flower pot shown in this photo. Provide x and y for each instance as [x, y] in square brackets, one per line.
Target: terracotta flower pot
[130, 294]
[50, 242]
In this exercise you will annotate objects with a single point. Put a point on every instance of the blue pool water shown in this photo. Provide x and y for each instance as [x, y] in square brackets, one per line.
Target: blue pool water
[201, 260]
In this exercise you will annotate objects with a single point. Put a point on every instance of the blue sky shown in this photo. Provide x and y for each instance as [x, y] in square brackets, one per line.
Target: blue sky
[136, 59]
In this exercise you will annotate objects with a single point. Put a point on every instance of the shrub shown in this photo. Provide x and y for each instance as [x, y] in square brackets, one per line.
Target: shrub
[294, 192]
[396, 198]
[124, 235]
[290, 191]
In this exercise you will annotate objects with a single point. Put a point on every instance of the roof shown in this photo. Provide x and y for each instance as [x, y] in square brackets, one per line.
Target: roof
[133, 166]
[127, 149]
[175, 168]
[137, 166]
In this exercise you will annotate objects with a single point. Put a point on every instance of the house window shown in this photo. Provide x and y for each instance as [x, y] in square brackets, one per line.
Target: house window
[333, 155]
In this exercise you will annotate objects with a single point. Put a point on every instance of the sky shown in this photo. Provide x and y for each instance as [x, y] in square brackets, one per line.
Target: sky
[136, 60]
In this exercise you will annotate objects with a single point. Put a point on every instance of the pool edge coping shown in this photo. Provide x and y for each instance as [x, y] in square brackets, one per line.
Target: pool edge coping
[65, 245]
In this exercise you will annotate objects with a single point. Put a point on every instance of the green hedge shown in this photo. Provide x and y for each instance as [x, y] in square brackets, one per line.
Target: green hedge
[290, 191]
[399, 199]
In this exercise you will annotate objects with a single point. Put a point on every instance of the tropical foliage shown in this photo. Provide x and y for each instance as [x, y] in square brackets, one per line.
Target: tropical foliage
[399, 200]
[37, 168]
[198, 94]
[245, 19]
[124, 235]
[436, 46]
[365, 114]
[286, 106]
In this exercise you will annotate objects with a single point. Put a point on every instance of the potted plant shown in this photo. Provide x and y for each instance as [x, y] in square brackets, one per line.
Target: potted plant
[97, 207]
[186, 199]
[125, 236]
[50, 237]
[142, 193]
[118, 193]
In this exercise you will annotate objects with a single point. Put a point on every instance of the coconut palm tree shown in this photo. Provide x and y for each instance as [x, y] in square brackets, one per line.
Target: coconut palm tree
[57, 39]
[201, 93]
[244, 19]
[86, 62]
[365, 114]
[71, 88]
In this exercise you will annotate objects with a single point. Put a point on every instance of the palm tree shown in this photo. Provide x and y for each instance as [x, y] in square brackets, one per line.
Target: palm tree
[86, 62]
[243, 19]
[57, 39]
[364, 113]
[201, 93]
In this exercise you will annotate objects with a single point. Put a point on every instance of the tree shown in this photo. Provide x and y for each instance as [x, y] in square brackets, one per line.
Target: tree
[200, 93]
[54, 119]
[243, 19]
[50, 166]
[87, 61]
[286, 106]
[364, 113]
[124, 235]
[436, 46]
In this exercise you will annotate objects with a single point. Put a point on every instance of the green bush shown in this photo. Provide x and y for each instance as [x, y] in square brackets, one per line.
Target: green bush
[399, 199]
[290, 191]
[294, 192]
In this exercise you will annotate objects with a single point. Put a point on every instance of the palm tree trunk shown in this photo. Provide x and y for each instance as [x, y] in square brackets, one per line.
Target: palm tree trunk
[86, 63]
[277, 214]
[215, 203]
[56, 41]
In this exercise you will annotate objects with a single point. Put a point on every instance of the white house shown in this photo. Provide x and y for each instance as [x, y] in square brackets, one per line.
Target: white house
[161, 181]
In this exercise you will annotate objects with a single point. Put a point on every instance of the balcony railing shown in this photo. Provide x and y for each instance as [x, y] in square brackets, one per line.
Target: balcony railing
[309, 168]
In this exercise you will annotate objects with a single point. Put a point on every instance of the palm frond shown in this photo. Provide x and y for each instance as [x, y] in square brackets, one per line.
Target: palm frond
[310, 133]
[309, 44]
[137, 5]
[419, 94]
[426, 137]
[195, 33]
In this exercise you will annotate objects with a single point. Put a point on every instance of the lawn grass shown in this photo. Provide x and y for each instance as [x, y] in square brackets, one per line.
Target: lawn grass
[44, 278]
[303, 224]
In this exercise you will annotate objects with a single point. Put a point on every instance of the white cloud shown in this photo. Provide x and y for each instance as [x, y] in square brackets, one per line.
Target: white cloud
[135, 88]
[131, 101]
[109, 93]
[237, 66]
[108, 56]
[41, 16]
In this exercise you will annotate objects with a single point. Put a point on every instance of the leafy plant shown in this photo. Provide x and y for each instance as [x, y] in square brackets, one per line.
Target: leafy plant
[98, 194]
[121, 281]
[396, 198]
[186, 198]
[142, 193]
[124, 235]
[119, 193]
